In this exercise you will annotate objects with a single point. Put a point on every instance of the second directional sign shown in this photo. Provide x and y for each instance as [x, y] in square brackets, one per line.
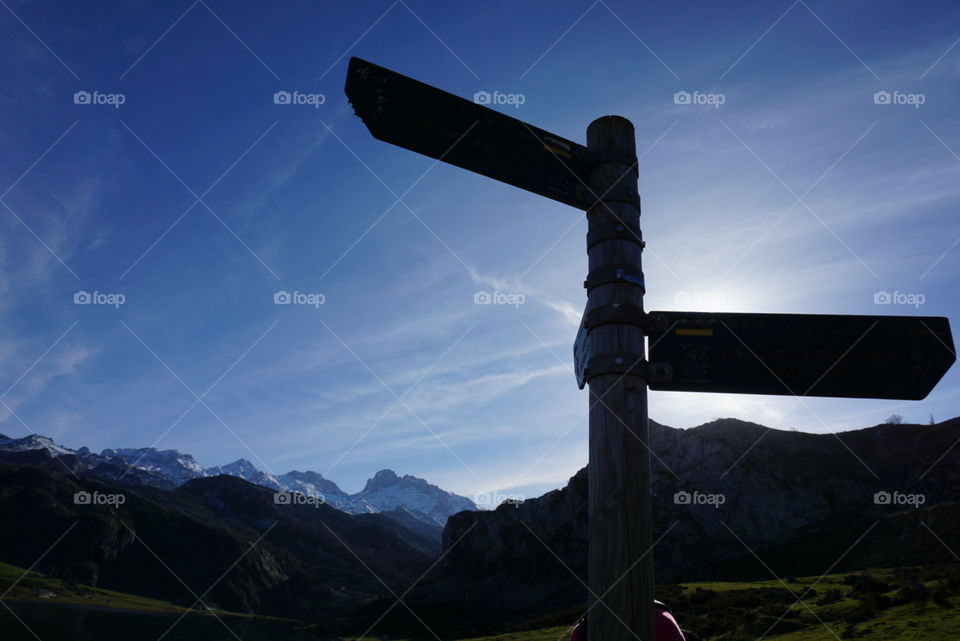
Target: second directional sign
[898, 357]
[424, 119]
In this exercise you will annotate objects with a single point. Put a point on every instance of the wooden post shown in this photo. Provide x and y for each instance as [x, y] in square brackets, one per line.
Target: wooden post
[619, 477]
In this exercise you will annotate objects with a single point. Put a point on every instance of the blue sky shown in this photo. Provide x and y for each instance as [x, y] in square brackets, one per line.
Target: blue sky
[198, 198]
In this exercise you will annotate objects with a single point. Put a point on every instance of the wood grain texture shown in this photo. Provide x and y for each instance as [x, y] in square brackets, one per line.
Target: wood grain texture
[620, 559]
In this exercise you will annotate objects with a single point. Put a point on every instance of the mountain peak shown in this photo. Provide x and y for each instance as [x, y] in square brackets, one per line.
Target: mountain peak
[731, 425]
[383, 479]
[173, 464]
[35, 442]
[388, 491]
[240, 465]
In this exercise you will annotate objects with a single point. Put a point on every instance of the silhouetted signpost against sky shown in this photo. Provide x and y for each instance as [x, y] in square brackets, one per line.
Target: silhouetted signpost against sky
[896, 357]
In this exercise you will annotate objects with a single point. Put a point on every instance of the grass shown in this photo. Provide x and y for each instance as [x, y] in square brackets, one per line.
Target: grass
[27, 586]
[544, 634]
[878, 605]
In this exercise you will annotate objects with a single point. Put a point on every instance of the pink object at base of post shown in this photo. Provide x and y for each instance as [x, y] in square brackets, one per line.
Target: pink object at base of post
[666, 627]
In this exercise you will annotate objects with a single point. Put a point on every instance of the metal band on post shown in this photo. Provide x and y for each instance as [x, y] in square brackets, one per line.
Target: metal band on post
[628, 365]
[614, 231]
[610, 274]
[615, 313]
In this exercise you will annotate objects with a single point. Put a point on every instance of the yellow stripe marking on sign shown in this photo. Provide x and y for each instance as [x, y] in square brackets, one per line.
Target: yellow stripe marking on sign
[694, 332]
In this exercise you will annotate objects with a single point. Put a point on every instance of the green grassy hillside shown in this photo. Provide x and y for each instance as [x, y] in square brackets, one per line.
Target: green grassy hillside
[43, 589]
[877, 605]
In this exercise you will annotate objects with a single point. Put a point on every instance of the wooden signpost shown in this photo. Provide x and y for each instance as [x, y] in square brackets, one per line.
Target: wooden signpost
[803, 355]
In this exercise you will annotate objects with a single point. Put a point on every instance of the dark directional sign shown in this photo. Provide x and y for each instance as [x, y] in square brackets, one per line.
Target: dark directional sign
[424, 119]
[581, 352]
[899, 357]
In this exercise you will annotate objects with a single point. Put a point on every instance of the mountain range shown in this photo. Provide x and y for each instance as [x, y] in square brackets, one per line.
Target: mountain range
[793, 505]
[169, 469]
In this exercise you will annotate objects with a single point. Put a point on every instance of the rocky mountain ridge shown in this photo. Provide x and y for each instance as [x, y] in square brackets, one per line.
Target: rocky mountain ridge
[169, 469]
[725, 494]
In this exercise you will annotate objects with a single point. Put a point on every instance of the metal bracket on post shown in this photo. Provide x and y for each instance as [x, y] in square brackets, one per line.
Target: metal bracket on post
[615, 313]
[628, 365]
[614, 274]
[615, 231]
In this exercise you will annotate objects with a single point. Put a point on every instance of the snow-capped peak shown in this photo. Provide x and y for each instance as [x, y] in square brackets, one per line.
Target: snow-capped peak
[310, 483]
[244, 469]
[387, 491]
[172, 464]
[33, 442]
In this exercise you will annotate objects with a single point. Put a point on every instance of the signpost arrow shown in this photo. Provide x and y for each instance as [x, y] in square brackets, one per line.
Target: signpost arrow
[424, 119]
[581, 352]
[901, 357]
